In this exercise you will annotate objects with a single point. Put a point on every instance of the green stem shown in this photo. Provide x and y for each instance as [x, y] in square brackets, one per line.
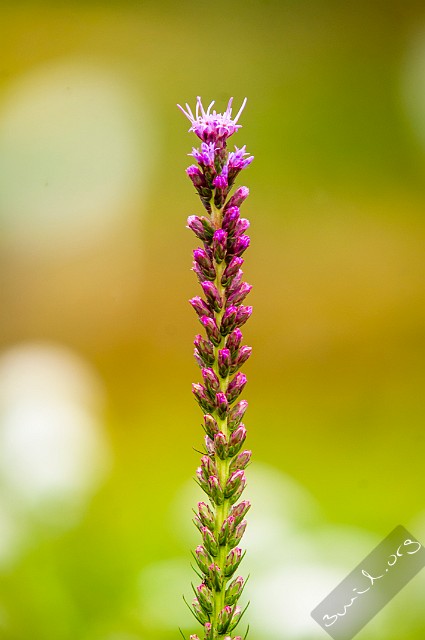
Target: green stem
[222, 511]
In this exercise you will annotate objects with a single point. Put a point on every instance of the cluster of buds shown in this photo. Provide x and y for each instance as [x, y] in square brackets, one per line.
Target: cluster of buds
[220, 355]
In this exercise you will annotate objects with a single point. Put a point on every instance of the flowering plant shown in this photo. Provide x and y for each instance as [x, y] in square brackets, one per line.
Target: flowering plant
[220, 355]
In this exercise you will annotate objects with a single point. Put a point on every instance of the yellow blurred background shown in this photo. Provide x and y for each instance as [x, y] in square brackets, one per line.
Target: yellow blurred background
[97, 422]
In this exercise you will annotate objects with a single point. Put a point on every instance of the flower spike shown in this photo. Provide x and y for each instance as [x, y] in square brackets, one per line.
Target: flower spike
[220, 355]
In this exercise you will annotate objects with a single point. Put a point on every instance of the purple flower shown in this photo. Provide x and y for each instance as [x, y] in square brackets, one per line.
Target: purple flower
[238, 161]
[211, 126]
[220, 355]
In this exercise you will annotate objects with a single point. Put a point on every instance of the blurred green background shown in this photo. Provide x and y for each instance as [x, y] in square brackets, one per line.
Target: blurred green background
[97, 419]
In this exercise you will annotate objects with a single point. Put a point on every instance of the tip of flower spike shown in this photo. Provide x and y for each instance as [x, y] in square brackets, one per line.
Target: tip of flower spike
[211, 126]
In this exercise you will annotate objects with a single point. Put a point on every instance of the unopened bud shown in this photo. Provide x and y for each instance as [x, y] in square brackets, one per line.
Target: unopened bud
[204, 263]
[231, 270]
[224, 618]
[200, 614]
[238, 295]
[236, 440]
[243, 314]
[236, 387]
[210, 542]
[202, 559]
[237, 198]
[219, 245]
[234, 340]
[234, 590]
[205, 349]
[226, 530]
[241, 461]
[201, 227]
[212, 330]
[220, 445]
[215, 490]
[230, 218]
[211, 380]
[235, 539]
[216, 576]
[221, 404]
[212, 295]
[236, 414]
[224, 362]
[228, 321]
[240, 510]
[206, 515]
[202, 398]
[235, 480]
[201, 307]
[205, 597]
[241, 357]
[233, 560]
[210, 425]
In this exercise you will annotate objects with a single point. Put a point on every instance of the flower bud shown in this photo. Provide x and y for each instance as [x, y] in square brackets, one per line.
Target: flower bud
[211, 381]
[216, 576]
[238, 295]
[236, 281]
[210, 542]
[238, 198]
[224, 362]
[202, 559]
[201, 227]
[212, 329]
[236, 537]
[196, 175]
[241, 461]
[234, 340]
[235, 387]
[200, 477]
[236, 440]
[235, 480]
[198, 524]
[228, 321]
[206, 515]
[237, 613]
[201, 307]
[208, 467]
[205, 349]
[234, 590]
[200, 614]
[233, 560]
[226, 530]
[194, 637]
[220, 445]
[239, 245]
[240, 510]
[204, 263]
[205, 597]
[212, 295]
[231, 270]
[221, 404]
[208, 630]
[243, 313]
[219, 244]
[209, 445]
[224, 618]
[230, 218]
[240, 358]
[241, 226]
[198, 358]
[215, 490]
[202, 398]
[210, 425]
[236, 414]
